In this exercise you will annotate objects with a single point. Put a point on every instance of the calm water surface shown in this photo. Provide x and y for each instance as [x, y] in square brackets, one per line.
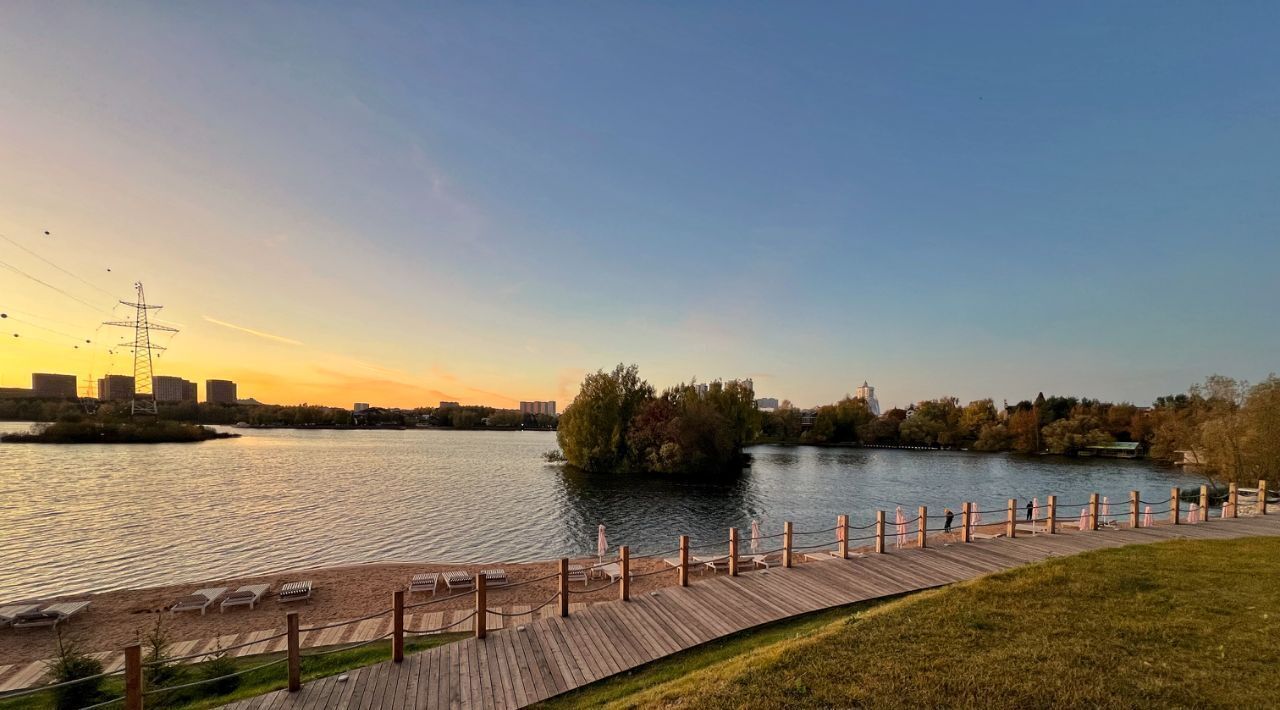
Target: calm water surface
[82, 518]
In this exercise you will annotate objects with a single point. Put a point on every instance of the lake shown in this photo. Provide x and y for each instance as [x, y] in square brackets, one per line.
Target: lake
[95, 518]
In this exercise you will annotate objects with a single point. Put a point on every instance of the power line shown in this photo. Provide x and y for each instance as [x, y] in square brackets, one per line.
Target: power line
[49, 330]
[46, 284]
[59, 268]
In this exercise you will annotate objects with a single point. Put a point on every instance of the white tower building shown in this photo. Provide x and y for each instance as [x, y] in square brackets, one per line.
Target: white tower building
[868, 393]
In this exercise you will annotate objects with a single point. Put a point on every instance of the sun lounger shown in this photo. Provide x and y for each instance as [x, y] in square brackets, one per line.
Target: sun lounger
[578, 573]
[495, 578]
[295, 592]
[9, 613]
[459, 580]
[249, 595]
[986, 536]
[613, 571]
[424, 583]
[715, 564]
[199, 601]
[766, 561]
[51, 615]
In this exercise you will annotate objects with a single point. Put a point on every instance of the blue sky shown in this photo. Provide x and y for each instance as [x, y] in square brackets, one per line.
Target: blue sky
[484, 201]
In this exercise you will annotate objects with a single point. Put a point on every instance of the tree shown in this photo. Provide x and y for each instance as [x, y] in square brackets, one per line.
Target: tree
[977, 414]
[839, 422]
[1070, 435]
[593, 428]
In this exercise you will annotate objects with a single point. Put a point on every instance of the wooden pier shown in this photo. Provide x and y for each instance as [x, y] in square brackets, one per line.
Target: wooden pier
[523, 664]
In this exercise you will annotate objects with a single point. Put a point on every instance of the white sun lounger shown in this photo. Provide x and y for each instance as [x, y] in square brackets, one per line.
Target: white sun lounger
[199, 601]
[12, 611]
[715, 564]
[495, 578]
[424, 583]
[613, 571]
[51, 615]
[766, 561]
[249, 595]
[578, 573]
[295, 592]
[459, 580]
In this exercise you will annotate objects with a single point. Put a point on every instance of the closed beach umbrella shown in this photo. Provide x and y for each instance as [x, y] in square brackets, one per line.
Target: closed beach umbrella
[1147, 520]
[1084, 519]
[1193, 515]
[1106, 508]
[901, 521]
[1035, 512]
[974, 518]
[755, 536]
[602, 545]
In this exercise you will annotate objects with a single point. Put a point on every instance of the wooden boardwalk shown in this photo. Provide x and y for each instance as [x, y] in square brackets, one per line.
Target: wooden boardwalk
[524, 664]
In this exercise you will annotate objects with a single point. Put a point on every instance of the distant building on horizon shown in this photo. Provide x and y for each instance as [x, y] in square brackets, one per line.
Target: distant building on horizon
[171, 389]
[115, 388]
[448, 405]
[219, 392]
[360, 406]
[767, 403]
[15, 393]
[868, 393]
[47, 386]
[548, 407]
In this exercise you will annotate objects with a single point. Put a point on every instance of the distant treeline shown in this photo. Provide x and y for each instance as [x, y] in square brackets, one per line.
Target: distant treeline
[303, 415]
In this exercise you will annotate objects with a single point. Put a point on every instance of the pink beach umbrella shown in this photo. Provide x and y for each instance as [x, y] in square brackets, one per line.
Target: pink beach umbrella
[1147, 519]
[1083, 520]
[602, 545]
[900, 522]
[1193, 515]
[1035, 512]
[1106, 508]
[755, 536]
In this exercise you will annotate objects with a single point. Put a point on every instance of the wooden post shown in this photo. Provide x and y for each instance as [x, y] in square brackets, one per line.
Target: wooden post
[564, 586]
[1262, 497]
[1233, 499]
[923, 534]
[1053, 515]
[879, 532]
[295, 652]
[133, 677]
[482, 606]
[965, 531]
[397, 626]
[786, 544]
[1204, 504]
[624, 561]
[1175, 500]
[733, 552]
[842, 535]
[1133, 509]
[1093, 511]
[684, 560]
[1011, 527]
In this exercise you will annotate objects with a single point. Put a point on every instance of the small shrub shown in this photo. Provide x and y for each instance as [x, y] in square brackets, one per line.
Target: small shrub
[72, 663]
[220, 666]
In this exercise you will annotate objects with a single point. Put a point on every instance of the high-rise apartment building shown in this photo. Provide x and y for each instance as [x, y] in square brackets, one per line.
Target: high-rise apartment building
[360, 406]
[868, 393]
[220, 391]
[115, 388]
[538, 408]
[46, 386]
[173, 389]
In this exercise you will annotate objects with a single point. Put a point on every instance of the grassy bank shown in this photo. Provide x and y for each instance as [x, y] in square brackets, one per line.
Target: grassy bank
[109, 432]
[1175, 624]
[253, 683]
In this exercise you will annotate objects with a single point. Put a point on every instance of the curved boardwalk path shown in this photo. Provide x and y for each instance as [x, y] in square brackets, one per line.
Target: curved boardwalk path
[521, 665]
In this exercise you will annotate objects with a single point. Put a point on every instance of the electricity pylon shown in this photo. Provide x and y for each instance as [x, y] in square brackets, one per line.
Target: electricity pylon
[144, 397]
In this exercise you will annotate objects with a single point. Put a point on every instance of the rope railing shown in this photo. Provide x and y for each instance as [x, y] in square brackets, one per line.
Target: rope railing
[202, 681]
[54, 686]
[656, 554]
[344, 622]
[102, 704]
[446, 627]
[446, 598]
[510, 614]
[592, 589]
[521, 583]
[815, 532]
[213, 652]
[348, 647]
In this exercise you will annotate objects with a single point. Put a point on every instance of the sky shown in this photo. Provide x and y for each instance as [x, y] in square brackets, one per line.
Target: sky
[482, 202]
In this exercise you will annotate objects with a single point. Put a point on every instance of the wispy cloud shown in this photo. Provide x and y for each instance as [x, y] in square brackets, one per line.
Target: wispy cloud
[251, 331]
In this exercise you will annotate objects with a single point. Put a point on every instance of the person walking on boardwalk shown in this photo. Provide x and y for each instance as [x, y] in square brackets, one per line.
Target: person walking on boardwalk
[950, 516]
[1030, 508]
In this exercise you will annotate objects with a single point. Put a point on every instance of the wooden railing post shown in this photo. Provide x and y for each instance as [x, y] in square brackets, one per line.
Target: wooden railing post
[397, 626]
[733, 552]
[684, 560]
[1204, 504]
[1133, 509]
[1262, 497]
[1175, 500]
[295, 652]
[1053, 515]
[923, 535]
[786, 544]
[564, 586]
[1011, 527]
[1093, 511]
[842, 536]
[133, 677]
[482, 606]
[879, 532]
[1233, 499]
[966, 533]
[624, 561]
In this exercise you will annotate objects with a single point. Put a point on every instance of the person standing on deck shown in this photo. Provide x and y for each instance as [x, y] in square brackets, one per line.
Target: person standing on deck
[950, 516]
[1029, 509]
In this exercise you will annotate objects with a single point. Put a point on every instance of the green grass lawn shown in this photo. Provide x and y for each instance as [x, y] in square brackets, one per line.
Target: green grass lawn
[1179, 624]
[253, 683]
